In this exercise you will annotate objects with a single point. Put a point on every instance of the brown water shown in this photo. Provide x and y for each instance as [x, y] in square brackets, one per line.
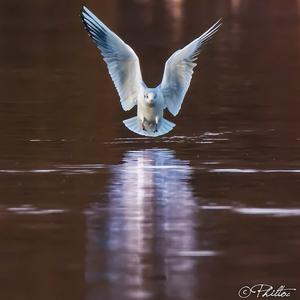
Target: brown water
[91, 211]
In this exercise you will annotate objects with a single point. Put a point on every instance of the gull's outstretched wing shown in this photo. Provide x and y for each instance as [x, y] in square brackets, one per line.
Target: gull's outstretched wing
[122, 62]
[179, 70]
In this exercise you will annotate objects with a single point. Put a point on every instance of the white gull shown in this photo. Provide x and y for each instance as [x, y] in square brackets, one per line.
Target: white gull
[124, 69]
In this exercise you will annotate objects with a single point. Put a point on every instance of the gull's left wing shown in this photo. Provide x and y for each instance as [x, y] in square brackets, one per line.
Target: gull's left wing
[179, 70]
[122, 62]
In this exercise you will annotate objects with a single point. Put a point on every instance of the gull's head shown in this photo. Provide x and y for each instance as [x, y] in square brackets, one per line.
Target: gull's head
[150, 97]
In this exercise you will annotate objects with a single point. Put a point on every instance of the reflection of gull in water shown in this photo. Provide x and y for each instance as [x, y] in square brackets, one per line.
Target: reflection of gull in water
[150, 180]
[145, 229]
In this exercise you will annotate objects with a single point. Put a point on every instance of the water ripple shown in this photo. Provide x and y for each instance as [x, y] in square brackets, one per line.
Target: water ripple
[63, 169]
[31, 210]
[263, 211]
[276, 212]
[254, 170]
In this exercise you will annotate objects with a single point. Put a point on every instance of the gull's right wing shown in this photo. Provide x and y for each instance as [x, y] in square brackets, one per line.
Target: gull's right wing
[122, 62]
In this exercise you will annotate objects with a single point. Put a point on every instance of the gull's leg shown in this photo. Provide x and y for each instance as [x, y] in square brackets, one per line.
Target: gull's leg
[143, 126]
[156, 123]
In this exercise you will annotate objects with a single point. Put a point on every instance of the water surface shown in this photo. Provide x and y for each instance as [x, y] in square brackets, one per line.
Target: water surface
[91, 211]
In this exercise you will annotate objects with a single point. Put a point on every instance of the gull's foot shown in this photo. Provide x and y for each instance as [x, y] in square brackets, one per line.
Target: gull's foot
[143, 127]
[155, 130]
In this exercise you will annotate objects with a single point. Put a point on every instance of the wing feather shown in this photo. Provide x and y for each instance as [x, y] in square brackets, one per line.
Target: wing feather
[122, 62]
[179, 70]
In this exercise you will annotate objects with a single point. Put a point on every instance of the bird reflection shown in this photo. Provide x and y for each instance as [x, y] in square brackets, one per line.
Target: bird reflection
[135, 240]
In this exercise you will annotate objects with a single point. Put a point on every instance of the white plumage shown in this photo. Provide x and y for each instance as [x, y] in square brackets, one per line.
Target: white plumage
[124, 69]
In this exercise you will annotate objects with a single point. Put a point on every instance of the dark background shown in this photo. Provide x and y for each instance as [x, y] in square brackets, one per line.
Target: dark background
[89, 210]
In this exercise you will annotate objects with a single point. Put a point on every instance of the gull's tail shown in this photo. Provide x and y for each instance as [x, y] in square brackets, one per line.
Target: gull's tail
[134, 125]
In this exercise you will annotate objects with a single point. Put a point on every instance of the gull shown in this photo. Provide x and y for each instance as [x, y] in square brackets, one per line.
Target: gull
[124, 68]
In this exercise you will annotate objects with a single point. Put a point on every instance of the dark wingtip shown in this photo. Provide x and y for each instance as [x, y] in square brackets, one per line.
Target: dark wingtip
[83, 10]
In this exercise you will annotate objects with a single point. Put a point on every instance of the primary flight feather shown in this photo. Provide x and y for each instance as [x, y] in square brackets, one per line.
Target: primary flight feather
[124, 69]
